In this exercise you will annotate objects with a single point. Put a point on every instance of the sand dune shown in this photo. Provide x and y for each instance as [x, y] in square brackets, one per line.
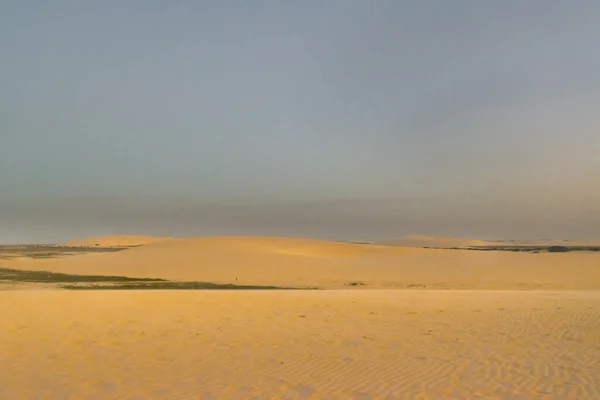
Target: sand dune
[434, 241]
[300, 345]
[116, 241]
[327, 344]
[450, 242]
[313, 263]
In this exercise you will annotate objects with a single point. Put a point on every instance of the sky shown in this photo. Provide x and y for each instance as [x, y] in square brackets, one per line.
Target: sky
[339, 119]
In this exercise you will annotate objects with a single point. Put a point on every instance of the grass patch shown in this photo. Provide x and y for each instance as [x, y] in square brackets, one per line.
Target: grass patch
[525, 248]
[16, 275]
[98, 282]
[172, 285]
[51, 251]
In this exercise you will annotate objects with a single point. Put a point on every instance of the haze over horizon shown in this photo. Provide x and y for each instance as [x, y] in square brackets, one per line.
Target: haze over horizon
[348, 120]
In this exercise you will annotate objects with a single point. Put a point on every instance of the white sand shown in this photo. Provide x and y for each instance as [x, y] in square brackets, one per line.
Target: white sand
[300, 345]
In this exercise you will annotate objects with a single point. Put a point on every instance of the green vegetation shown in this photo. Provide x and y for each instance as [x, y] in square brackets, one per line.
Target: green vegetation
[558, 249]
[50, 251]
[172, 285]
[16, 275]
[99, 282]
[525, 248]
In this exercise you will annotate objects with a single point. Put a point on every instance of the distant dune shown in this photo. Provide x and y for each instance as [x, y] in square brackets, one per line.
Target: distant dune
[116, 241]
[270, 245]
[452, 242]
[314, 263]
[434, 241]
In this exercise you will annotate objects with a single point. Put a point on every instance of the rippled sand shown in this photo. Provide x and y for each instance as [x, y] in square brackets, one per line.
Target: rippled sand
[300, 345]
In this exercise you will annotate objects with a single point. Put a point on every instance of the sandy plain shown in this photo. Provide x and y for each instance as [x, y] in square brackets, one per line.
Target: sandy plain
[422, 324]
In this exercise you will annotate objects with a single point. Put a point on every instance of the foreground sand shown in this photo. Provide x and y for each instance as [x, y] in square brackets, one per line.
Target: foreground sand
[300, 345]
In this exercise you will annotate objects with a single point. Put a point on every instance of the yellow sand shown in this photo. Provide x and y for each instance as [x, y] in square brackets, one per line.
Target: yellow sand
[116, 241]
[328, 344]
[300, 345]
[313, 263]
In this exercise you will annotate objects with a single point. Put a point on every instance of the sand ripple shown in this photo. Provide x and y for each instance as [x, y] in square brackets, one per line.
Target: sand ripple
[300, 345]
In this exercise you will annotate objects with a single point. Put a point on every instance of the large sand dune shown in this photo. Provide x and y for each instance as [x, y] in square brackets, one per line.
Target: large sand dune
[300, 345]
[313, 263]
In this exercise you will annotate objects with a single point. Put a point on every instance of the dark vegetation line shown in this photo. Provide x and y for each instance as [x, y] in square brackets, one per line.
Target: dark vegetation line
[16, 275]
[48, 251]
[37, 248]
[98, 282]
[528, 249]
[169, 285]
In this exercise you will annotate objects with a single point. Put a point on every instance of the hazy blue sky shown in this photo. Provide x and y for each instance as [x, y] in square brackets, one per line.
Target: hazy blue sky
[338, 119]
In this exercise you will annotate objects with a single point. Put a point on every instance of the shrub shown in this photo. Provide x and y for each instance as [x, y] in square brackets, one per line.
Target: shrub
[558, 249]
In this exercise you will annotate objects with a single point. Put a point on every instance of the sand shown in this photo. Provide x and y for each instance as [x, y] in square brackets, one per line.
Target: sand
[417, 324]
[116, 241]
[300, 345]
[331, 265]
[435, 241]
